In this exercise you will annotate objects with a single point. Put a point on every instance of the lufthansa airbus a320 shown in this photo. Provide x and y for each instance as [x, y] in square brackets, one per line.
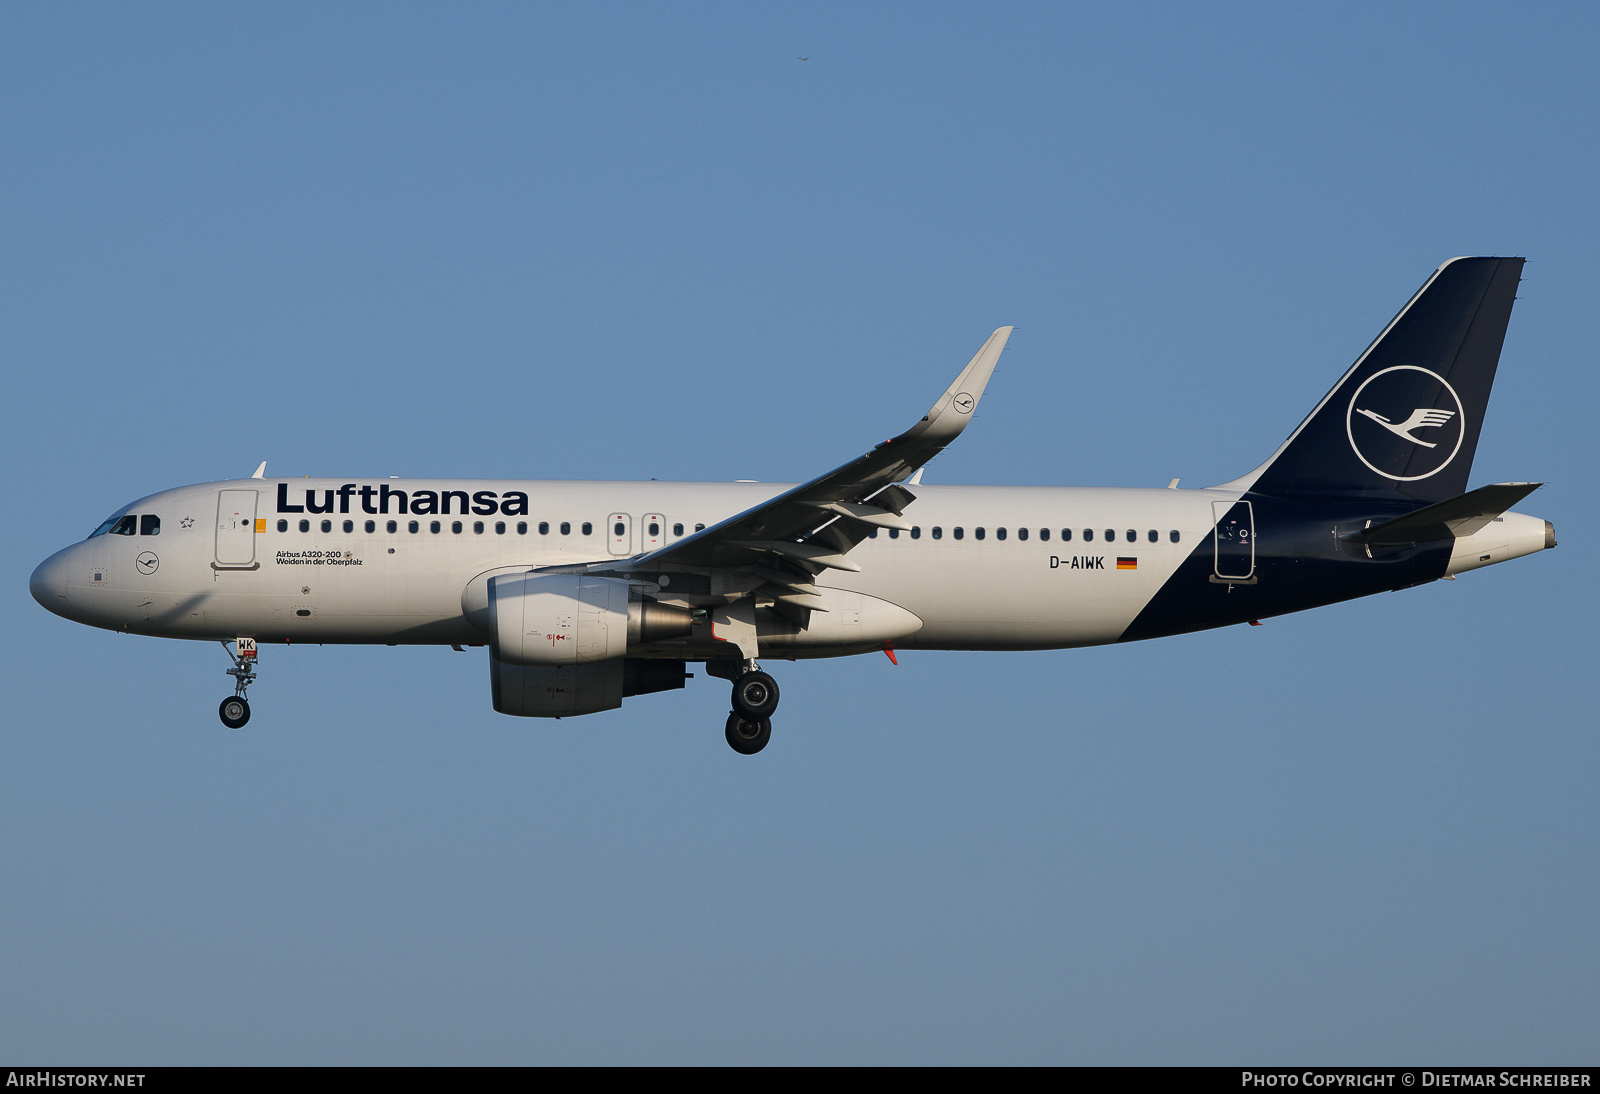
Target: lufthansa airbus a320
[586, 593]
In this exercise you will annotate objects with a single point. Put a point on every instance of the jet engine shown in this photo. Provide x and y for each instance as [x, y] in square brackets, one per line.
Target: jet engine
[573, 619]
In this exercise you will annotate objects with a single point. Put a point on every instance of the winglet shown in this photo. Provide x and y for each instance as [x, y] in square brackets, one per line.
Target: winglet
[953, 411]
[261, 472]
[954, 408]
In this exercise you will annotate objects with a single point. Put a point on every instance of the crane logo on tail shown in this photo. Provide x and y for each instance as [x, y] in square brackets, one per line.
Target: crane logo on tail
[1419, 419]
[1405, 422]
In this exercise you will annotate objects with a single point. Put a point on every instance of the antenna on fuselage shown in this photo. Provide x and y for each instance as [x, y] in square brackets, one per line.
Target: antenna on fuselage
[261, 472]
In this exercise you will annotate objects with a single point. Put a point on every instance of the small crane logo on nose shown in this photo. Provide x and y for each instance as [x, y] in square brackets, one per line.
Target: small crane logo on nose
[147, 562]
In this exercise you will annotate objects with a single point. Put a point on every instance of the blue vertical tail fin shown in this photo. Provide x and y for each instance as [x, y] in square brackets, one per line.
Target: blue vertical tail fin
[1404, 421]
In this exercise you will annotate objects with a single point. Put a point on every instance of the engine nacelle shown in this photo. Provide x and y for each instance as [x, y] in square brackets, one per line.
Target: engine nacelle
[565, 691]
[557, 619]
[572, 619]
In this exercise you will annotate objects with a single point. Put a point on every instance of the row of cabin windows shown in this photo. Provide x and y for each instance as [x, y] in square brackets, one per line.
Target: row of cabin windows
[1131, 535]
[147, 525]
[456, 526]
[151, 526]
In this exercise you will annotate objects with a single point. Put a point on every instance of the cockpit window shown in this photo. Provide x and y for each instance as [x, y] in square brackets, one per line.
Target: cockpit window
[127, 526]
[149, 525]
[104, 527]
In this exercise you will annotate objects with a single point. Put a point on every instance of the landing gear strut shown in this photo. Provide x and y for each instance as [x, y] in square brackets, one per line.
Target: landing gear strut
[235, 709]
[755, 697]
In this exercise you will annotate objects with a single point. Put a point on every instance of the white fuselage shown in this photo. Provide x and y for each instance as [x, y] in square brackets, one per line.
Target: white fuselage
[971, 589]
[985, 567]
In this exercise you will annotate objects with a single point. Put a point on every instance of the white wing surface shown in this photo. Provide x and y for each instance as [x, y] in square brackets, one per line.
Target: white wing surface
[814, 526]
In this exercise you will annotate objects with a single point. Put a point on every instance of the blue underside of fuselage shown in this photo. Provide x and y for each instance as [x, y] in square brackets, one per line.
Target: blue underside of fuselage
[1302, 559]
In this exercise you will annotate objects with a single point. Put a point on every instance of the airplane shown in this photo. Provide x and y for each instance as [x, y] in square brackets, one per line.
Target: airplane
[588, 593]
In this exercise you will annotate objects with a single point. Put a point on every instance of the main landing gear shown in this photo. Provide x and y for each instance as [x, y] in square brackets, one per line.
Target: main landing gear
[235, 709]
[755, 697]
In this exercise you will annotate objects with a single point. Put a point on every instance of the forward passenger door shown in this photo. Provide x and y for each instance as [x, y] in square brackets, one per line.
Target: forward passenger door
[236, 530]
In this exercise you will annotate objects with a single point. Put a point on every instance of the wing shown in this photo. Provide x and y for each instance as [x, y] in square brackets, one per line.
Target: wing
[814, 526]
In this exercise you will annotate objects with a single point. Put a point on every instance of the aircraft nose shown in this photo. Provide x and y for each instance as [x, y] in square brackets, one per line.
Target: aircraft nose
[49, 583]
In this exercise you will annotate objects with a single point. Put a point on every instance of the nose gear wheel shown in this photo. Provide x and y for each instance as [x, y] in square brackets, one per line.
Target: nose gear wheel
[234, 712]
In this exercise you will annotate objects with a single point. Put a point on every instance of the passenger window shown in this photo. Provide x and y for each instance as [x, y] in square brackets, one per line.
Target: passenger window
[477, 527]
[149, 525]
[619, 529]
[655, 530]
[1066, 535]
[544, 528]
[283, 526]
[1173, 535]
[999, 533]
[1111, 535]
[873, 534]
[977, 533]
[958, 531]
[433, 526]
[566, 528]
[305, 526]
[127, 526]
[500, 527]
[677, 529]
[522, 527]
[1088, 535]
[412, 527]
[699, 527]
[327, 526]
[1022, 533]
[1133, 535]
[391, 527]
[350, 525]
[894, 533]
[1044, 534]
[916, 532]
[938, 533]
[587, 528]
[1155, 536]
[372, 526]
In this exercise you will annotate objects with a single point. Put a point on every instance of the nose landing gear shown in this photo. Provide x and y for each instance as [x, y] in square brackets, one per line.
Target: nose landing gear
[235, 709]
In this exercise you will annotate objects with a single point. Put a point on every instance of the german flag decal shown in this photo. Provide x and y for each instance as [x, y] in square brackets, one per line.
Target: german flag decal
[1127, 563]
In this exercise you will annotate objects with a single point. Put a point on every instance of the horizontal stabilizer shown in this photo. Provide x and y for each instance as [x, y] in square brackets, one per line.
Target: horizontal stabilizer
[1455, 517]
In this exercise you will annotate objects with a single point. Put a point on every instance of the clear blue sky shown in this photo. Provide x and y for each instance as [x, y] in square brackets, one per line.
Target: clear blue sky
[648, 241]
